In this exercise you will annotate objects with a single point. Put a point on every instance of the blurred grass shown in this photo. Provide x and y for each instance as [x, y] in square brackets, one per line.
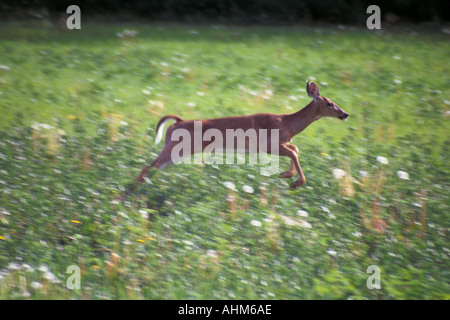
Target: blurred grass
[103, 94]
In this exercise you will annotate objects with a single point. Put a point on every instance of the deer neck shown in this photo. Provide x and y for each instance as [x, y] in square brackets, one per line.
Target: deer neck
[298, 121]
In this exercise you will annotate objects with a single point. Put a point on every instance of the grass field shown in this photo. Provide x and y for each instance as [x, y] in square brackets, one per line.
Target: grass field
[78, 113]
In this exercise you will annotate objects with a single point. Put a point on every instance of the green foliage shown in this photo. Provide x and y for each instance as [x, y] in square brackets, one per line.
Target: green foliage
[78, 116]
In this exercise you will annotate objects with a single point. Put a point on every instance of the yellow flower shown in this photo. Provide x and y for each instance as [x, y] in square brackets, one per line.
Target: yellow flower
[140, 240]
[2, 238]
[95, 267]
[75, 221]
[116, 115]
[71, 117]
[324, 154]
[150, 238]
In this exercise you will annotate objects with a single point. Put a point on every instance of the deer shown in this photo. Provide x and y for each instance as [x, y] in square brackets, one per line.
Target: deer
[288, 126]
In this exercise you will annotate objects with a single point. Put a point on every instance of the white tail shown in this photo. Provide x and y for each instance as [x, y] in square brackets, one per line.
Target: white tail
[162, 124]
[289, 125]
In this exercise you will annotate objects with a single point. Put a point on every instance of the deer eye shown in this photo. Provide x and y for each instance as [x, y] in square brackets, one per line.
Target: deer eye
[330, 105]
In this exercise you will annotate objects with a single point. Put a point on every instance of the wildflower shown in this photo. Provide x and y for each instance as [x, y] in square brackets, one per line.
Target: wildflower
[146, 92]
[75, 221]
[211, 253]
[403, 175]
[143, 213]
[36, 285]
[248, 189]
[122, 214]
[13, 266]
[256, 223]
[95, 267]
[363, 174]
[302, 213]
[229, 185]
[43, 268]
[191, 104]
[50, 276]
[338, 173]
[2, 238]
[27, 267]
[382, 160]
[71, 117]
[305, 224]
[140, 240]
[332, 252]
[397, 81]
[288, 220]
[324, 154]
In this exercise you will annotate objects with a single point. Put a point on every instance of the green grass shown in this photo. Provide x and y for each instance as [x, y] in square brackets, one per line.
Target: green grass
[107, 93]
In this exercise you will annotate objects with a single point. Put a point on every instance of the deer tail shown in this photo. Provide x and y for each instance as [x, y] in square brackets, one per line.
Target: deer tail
[162, 123]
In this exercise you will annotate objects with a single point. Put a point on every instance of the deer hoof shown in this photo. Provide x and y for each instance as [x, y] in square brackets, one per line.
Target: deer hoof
[297, 184]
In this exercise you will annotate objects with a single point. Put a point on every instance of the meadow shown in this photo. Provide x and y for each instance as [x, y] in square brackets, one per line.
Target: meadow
[78, 116]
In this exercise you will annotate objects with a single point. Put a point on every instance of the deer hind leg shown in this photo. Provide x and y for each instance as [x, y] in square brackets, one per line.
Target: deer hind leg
[291, 172]
[289, 150]
[163, 160]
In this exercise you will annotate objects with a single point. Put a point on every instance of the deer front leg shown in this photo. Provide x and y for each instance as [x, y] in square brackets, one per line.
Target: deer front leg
[291, 151]
[291, 172]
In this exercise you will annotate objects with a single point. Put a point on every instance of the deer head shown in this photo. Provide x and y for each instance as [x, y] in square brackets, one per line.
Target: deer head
[324, 106]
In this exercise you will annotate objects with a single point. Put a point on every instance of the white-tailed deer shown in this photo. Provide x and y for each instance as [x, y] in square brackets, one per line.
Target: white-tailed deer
[288, 126]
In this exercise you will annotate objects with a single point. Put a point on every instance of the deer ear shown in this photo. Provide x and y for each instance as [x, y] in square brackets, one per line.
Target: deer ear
[308, 88]
[312, 90]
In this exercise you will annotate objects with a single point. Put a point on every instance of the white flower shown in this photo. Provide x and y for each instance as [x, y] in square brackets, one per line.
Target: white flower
[4, 67]
[36, 285]
[43, 268]
[357, 234]
[397, 81]
[288, 220]
[382, 160]
[13, 266]
[211, 253]
[256, 223]
[305, 224]
[191, 104]
[403, 175]
[364, 174]
[188, 243]
[229, 185]
[248, 189]
[27, 268]
[143, 213]
[338, 173]
[302, 213]
[49, 276]
[332, 252]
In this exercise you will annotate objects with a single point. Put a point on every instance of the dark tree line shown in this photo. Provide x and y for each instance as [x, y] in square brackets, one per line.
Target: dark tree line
[241, 11]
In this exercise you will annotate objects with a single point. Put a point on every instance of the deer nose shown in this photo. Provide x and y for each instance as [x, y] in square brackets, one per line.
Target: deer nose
[344, 116]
